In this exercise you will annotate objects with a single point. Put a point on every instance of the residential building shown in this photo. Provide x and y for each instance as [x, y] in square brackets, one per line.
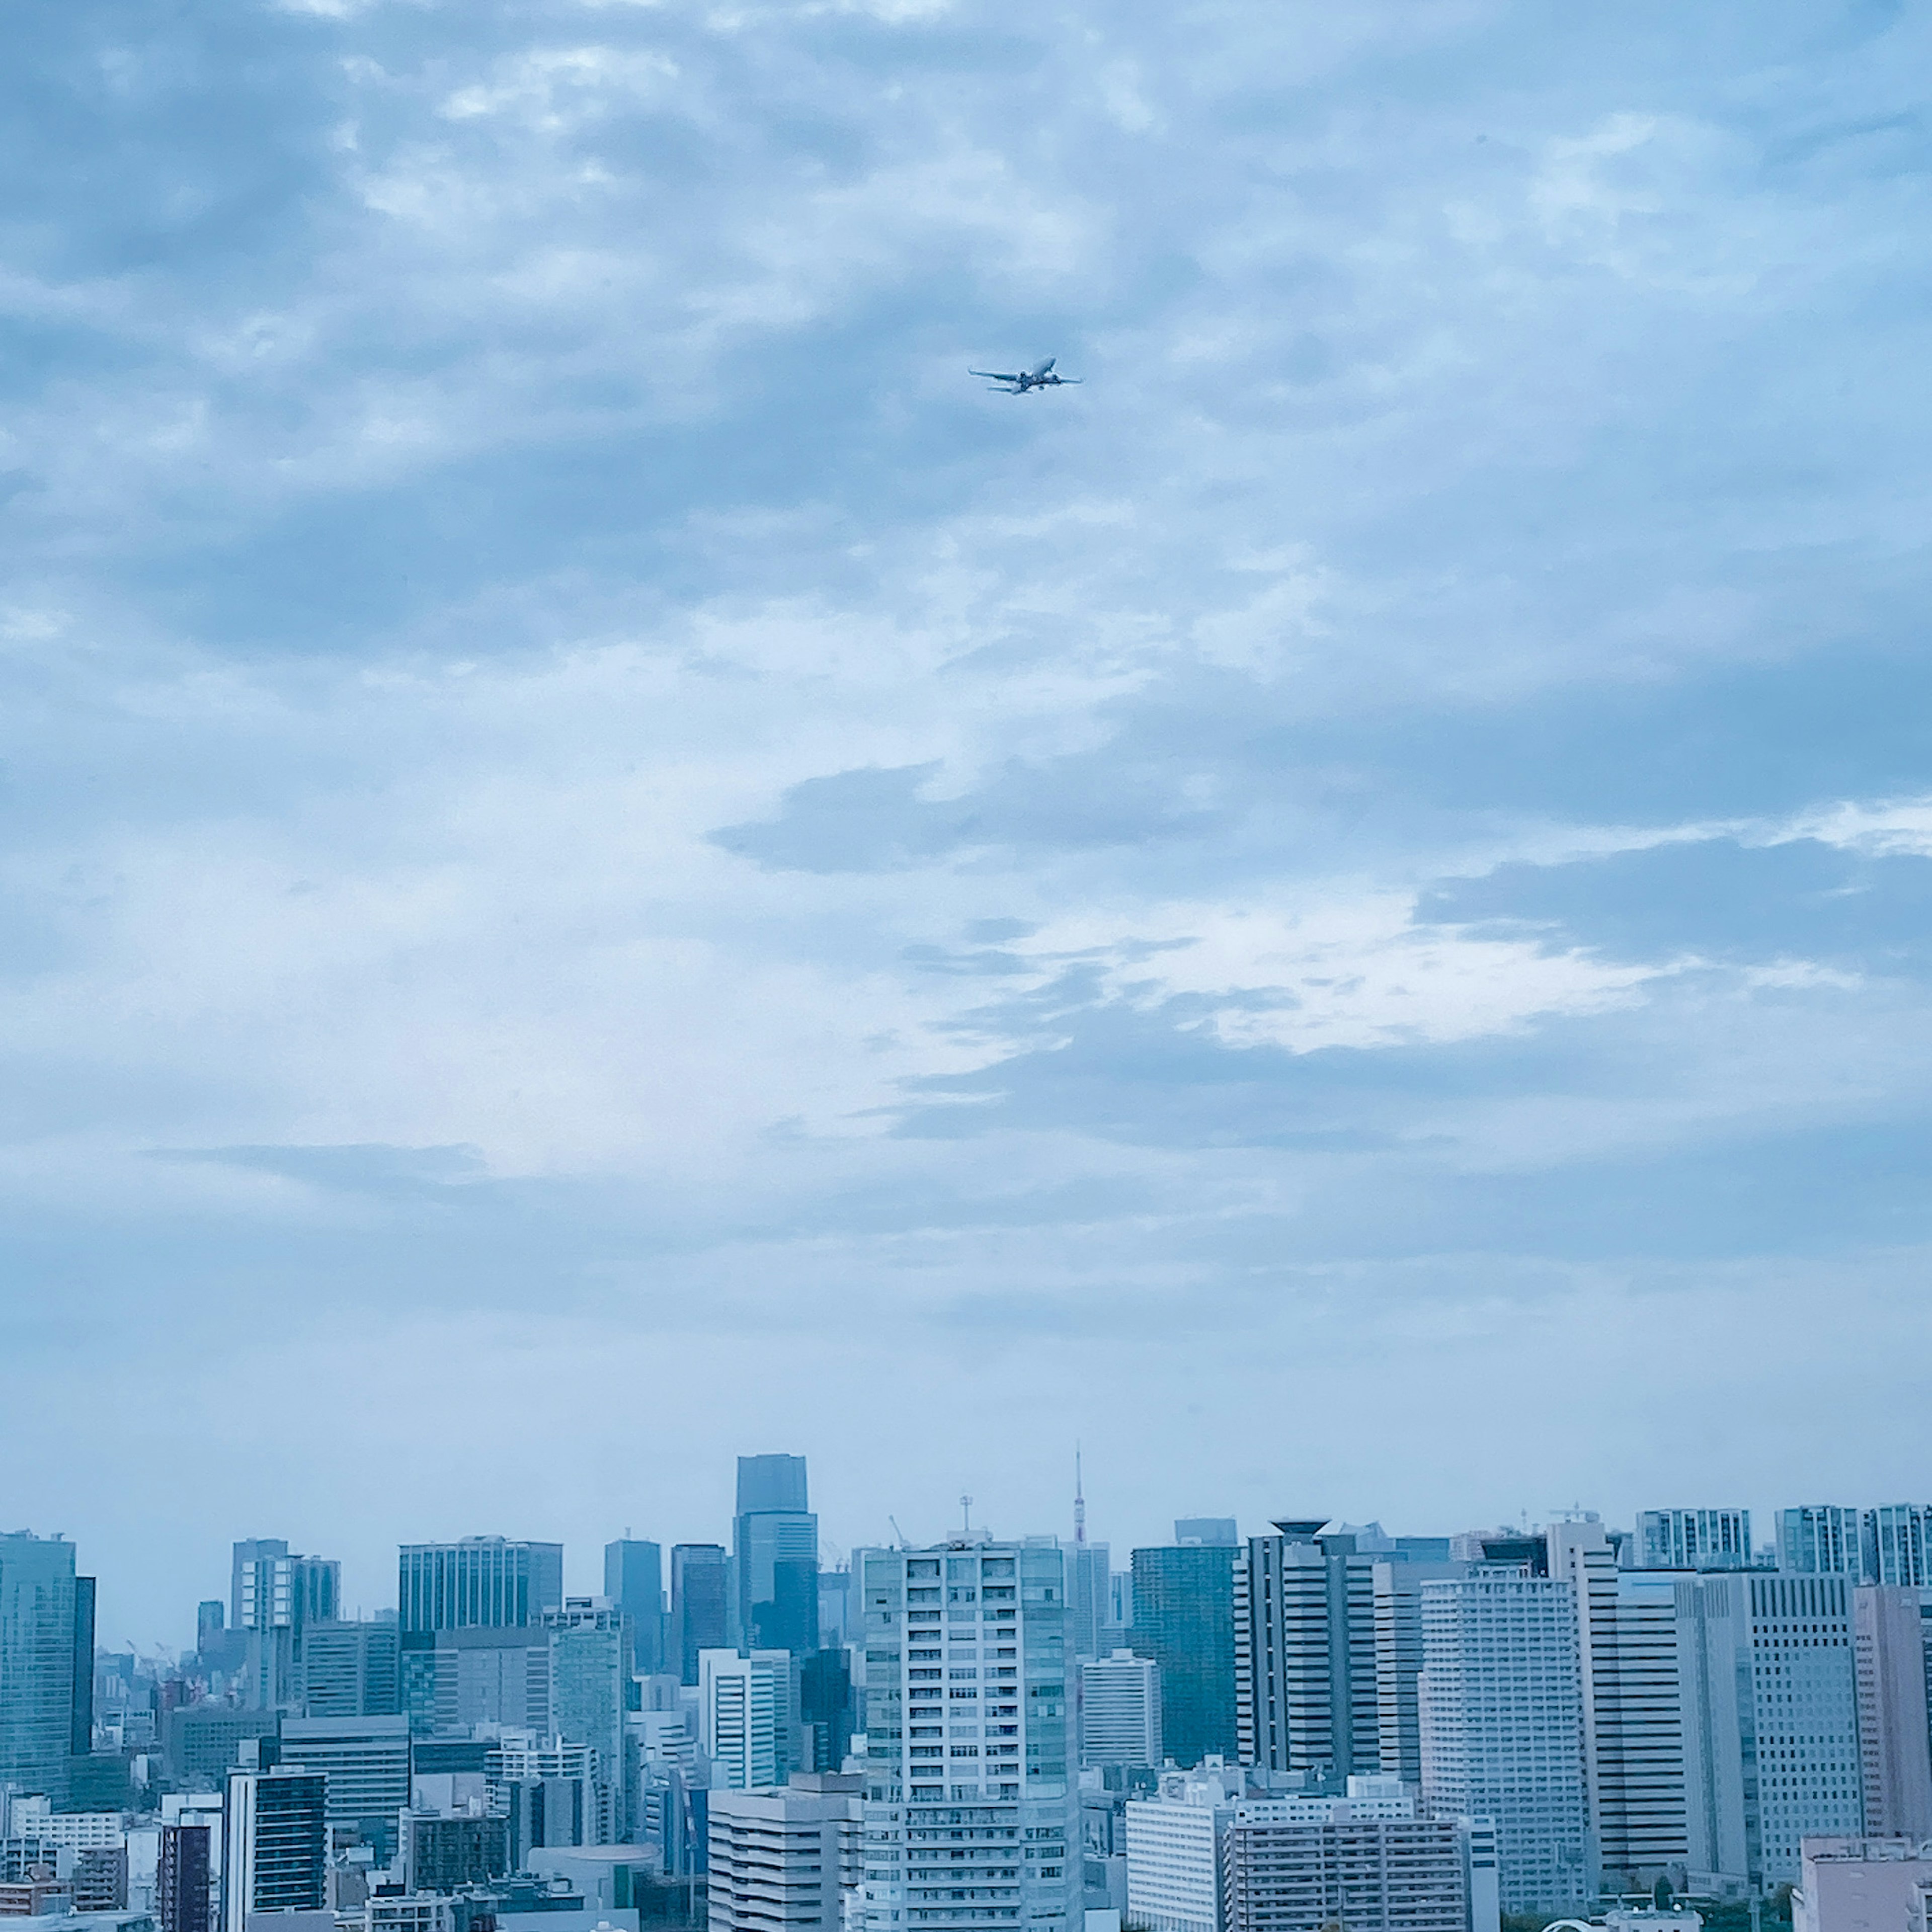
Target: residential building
[366, 1761]
[788, 1858]
[47, 1663]
[1119, 1711]
[774, 1557]
[1889, 1662]
[184, 1877]
[485, 1582]
[1825, 1540]
[1899, 1538]
[274, 1839]
[278, 1596]
[971, 1804]
[744, 1718]
[1693, 1539]
[445, 1852]
[634, 1581]
[699, 1618]
[1173, 1843]
[1501, 1709]
[1183, 1612]
[352, 1669]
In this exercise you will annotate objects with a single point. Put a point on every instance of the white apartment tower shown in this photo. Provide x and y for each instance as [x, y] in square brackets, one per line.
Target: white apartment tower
[1119, 1711]
[744, 1718]
[1501, 1712]
[971, 1806]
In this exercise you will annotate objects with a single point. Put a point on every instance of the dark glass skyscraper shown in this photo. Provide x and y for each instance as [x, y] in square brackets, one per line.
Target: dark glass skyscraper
[698, 1612]
[1184, 1620]
[634, 1581]
[775, 1557]
[46, 1663]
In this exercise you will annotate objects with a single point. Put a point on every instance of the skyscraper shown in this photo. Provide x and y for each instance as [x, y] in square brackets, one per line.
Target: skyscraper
[825, 1710]
[278, 1597]
[699, 1614]
[969, 1792]
[1184, 1620]
[351, 1669]
[1502, 1726]
[1900, 1538]
[1824, 1540]
[478, 1583]
[775, 1557]
[589, 1677]
[1693, 1539]
[634, 1581]
[1889, 1657]
[273, 1840]
[46, 1663]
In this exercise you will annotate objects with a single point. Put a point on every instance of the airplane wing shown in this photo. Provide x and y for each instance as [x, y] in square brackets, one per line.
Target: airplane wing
[993, 376]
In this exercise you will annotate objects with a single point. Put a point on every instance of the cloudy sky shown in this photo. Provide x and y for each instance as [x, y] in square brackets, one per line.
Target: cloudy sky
[607, 862]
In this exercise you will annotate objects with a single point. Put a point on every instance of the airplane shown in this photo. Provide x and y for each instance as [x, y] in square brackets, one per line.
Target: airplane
[1042, 378]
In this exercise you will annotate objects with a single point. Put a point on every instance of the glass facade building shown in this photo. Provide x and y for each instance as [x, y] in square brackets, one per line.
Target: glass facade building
[46, 1663]
[699, 1613]
[480, 1583]
[1184, 1603]
[775, 1557]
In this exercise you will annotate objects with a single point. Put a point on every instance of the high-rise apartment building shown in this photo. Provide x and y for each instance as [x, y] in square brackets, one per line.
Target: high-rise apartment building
[1119, 1711]
[478, 1583]
[775, 1557]
[971, 1801]
[1693, 1539]
[278, 1596]
[1899, 1538]
[1888, 1659]
[1824, 1540]
[699, 1617]
[274, 1844]
[46, 1663]
[366, 1763]
[352, 1669]
[1183, 1604]
[785, 1860]
[184, 1878]
[634, 1581]
[744, 1718]
[1771, 1739]
[1502, 1727]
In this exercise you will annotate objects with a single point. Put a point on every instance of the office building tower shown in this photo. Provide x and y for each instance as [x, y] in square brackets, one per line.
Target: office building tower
[279, 1596]
[1218, 1531]
[274, 1844]
[1824, 1540]
[744, 1718]
[1898, 1536]
[825, 1710]
[486, 1582]
[1693, 1539]
[1501, 1703]
[351, 1669]
[366, 1763]
[590, 1670]
[1091, 1576]
[1633, 1730]
[834, 1608]
[1888, 1660]
[969, 1787]
[699, 1617]
[47, 1663]
[1365, 1861]
[1119, 1711]
[1771, 1743]
[199, 1742]
[786, 1860]
[1184, 1620]
[775, 1557]
[184, 1882]
[634, 1581]
[454, 1680]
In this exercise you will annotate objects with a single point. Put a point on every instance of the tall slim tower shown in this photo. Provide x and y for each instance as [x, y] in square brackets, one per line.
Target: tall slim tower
[775, 1555]
[274, 1834]
[634, 1581]
[699, 1612]
[970, 1789]
[47, 1690]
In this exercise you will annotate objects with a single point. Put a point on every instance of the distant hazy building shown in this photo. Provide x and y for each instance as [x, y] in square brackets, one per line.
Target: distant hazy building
[1888, 1660]
[352, 1669]
[1221, 1530]
[366, 1762]
[275, 1841]
[47, 1663]
[446, 1853]
[1119, 1711]
[1693, 1539]
[774, 1558]
[827, 1715]
[590, 1671]
[1502, 1727]
[1184, 1620]
[478, 1582]
[1090, 1572]
[785, 1860]
[967, 1723]
[744, 1716]
[834, 1608]
[699, 1614]
[634, 1581]
[279, 1596]
[1899, 1540]
[1823, 1540]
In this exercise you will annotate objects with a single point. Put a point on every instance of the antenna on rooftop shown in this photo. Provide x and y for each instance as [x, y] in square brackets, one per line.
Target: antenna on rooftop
[966, 1508]
[1079, 1503]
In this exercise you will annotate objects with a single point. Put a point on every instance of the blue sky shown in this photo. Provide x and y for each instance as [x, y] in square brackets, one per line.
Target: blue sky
[607, 862]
